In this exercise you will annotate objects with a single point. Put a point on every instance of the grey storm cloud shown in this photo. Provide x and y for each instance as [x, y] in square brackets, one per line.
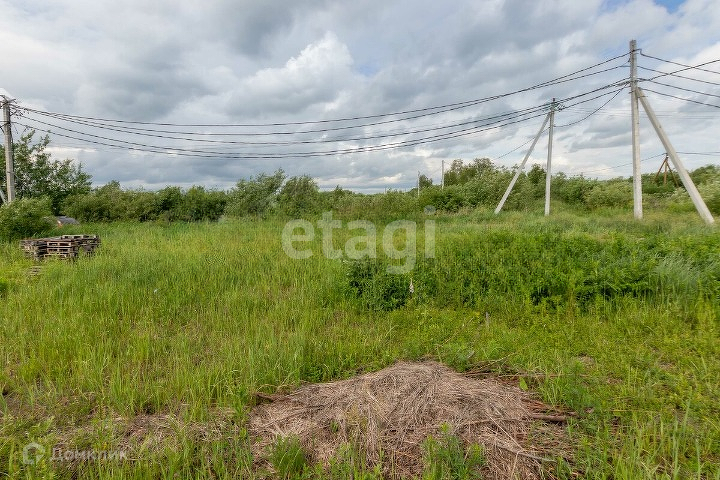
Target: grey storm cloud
[272, 62]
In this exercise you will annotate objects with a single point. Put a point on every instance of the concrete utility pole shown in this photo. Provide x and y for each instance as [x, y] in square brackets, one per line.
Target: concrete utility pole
[684, 176]
[418, 184]
[522, 165]
[442, 176]
[637, 174]
[548, 172]
[9, 164]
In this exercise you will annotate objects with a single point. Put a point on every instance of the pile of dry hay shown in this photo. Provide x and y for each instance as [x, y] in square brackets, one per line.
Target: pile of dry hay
[391, 412]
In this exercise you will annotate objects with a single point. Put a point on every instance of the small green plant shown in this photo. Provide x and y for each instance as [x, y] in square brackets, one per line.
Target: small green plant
[350, 463]
[446, 459]
[288, 458]
[377, 289]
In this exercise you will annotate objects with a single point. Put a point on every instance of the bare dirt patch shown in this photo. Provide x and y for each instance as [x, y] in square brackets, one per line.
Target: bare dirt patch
[387, 415]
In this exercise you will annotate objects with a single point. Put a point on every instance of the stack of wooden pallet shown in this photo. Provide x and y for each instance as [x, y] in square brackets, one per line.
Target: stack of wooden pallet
[64, 246]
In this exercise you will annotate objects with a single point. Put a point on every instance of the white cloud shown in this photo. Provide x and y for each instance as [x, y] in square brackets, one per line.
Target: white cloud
[260, 61]
[317, 75]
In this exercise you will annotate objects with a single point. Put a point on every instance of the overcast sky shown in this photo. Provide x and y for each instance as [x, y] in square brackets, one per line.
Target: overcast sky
[287, 62]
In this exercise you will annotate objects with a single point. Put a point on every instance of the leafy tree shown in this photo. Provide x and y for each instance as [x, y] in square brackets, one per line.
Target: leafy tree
[459, 173]
[425, 182]
[168, 202]
[300, 195]
[24, 217]
[336, 199]
[105, 204]
[37, 175]
[571, 190]
[256, 196]
[200, 204]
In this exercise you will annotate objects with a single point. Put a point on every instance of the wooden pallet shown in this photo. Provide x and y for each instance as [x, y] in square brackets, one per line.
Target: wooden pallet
[64, 246]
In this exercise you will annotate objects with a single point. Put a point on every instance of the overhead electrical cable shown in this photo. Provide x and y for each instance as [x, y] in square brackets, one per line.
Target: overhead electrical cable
[322, 140]
[593, 112]
[300, 142]
[681, 98]
[509, 118]
[521, 145]
[620, 165]
[159, 148]
[686, 89]
[421, 111]
[674, 75]
[255, 156]
[679, 64]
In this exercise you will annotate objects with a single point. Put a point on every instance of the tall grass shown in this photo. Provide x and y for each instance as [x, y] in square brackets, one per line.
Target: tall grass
[185, 319]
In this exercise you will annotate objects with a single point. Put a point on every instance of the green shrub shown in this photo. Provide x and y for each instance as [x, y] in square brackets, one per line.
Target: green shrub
[25, 218]
[300, 196]
[571, 190]
[449, 199]
[609, 194]
[376, 288]
[710, 192]
[391, 205]
[255, 197]
[680, 201]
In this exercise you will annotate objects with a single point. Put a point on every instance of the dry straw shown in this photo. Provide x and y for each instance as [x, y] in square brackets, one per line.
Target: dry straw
[388, 414]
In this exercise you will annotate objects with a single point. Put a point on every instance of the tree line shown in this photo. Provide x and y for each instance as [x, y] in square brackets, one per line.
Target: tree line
[47, 187]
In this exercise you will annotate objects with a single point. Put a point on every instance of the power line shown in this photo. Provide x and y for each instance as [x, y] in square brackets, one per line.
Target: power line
[673, 74]
[422, 111]
[490, 122]
[324, 140]
[686, 89]
[173, 151]
[520, 146]
[680, 98]
[143, 145]
[301, 142]
[593, 112]
[707, 154]
[621, 165]
[679, 64]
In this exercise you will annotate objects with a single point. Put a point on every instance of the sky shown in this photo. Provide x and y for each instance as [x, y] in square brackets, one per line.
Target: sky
[206, 93]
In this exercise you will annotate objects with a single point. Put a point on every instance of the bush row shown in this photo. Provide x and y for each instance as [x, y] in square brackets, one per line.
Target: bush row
[478, 184]
[548, 270]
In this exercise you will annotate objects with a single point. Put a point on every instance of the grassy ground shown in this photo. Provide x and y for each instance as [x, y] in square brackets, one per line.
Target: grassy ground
[168, 331]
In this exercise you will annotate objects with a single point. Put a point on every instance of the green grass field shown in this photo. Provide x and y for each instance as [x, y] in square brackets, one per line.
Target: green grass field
[171, 329]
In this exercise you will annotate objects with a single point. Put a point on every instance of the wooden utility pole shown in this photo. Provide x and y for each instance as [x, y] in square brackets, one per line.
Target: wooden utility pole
[684, 176]
[548, 170]
[665, 168]
[9, 164]
[418, 184]
[522, 165]
[637, 174]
